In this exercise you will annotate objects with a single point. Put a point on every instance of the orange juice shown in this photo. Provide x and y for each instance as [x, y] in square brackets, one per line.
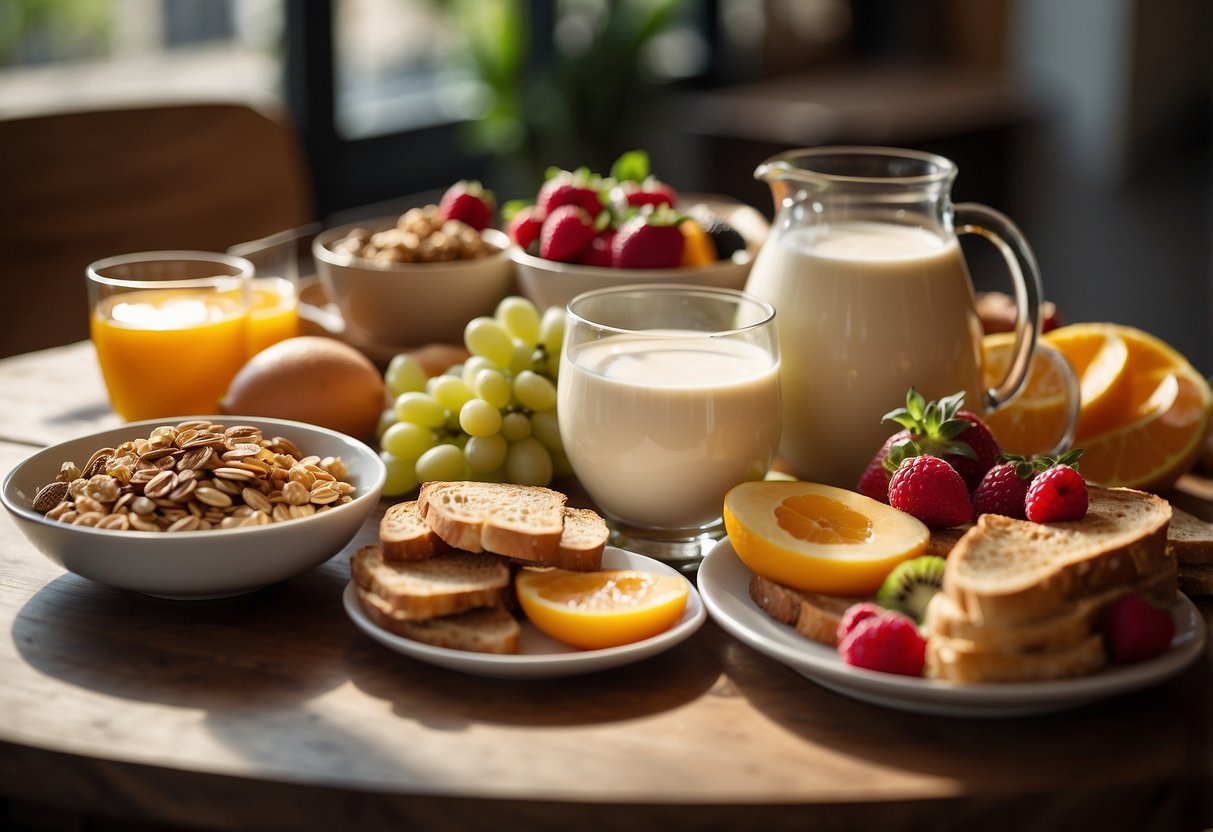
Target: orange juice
[273, 312]
[169, 352]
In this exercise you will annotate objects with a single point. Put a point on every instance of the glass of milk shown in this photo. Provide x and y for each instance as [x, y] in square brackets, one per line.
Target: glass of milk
[668, 397]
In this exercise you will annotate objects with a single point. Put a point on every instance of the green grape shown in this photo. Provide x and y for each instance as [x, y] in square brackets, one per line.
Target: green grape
[515, 426]
[551, 330]
[407, 440]
[440, 463]
[528, 463]
[420, 409]
[546, 428]
[520, 318]
[451, 393]
[401, 476]
[386, 419]
[534, 391]
[484, 336]
[493, 387]
[472, 368]
[486, 454]
[479, 418]
[521, 358]
[404, 374]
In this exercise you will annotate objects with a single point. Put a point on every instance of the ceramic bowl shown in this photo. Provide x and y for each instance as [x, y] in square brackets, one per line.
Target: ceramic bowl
[551, 283]
[410, 304]
[196, 564]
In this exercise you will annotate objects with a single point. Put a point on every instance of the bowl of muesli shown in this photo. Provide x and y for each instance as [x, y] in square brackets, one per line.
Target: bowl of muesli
[414, 279]
[196, 507]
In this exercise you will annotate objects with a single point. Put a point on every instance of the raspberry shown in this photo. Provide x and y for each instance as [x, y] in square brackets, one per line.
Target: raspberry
[1003, 490]
[856, 613]
[931, 490]
[1056, 495]
[1135, 630]
[889, 642]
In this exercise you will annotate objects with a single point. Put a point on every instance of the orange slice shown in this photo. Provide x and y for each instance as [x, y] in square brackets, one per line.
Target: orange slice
[1100, 358]
[1034, 421]
[592, 610]
[819, 538]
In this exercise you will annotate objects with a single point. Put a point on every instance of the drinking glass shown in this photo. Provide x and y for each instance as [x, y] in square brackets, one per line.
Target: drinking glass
[668, 397]
[170, 329]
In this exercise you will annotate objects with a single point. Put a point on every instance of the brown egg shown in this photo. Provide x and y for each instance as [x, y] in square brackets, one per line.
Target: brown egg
[313, 379]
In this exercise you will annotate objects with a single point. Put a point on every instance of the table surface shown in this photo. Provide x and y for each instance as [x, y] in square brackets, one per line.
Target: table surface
[273, 709]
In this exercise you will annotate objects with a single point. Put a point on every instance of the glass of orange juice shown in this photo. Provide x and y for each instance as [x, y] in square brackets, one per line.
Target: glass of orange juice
[273, 312]
[171, 329]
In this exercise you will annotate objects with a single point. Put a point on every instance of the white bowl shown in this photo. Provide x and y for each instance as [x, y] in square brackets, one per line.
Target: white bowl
[552, 283]
[410, 304]
[198, 564]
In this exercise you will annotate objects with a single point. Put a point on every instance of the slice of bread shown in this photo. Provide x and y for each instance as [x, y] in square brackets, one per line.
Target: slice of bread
[1070, 626]
[582, 541]
[1189, 538]
[942, 541]
[483, 630]
[404, 534]
[1196, 578]
[815, 616]
[442, 585]
[958, 660]
[525, 522]
[1006, 571]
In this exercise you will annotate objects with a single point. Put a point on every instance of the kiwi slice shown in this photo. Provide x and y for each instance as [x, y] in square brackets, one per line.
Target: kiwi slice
[911, 585]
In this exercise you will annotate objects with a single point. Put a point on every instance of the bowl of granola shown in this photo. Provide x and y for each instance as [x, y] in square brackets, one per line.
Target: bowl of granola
[412, 279]
[196, 508]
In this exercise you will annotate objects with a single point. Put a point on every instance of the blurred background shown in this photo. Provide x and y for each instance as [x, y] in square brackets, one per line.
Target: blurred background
[1087, 121]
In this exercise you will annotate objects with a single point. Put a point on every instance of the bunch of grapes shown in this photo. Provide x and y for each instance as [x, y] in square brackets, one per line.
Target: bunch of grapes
[492, 418]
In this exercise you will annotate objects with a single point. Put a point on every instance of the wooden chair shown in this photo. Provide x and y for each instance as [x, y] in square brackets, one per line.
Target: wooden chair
[79, 186]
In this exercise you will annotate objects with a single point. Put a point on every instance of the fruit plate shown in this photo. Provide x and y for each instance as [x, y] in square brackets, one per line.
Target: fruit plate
[540, 657]
[724, 584]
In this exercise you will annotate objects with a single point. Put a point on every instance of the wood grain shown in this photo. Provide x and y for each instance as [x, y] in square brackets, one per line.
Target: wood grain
[271, 709]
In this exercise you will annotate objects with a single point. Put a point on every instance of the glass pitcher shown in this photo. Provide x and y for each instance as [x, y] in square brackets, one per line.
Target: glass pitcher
[873, 296]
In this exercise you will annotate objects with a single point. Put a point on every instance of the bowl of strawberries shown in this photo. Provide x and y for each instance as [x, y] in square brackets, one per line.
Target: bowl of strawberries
[586, 231]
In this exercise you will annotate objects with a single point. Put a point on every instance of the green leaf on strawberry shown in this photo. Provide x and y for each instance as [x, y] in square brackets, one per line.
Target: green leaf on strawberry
[632, 166]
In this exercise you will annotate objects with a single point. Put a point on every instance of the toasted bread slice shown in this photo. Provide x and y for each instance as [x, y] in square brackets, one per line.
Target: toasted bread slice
[525, 522]
[582, 541]
[815, 616]
[959, 660]
[1006, 571]
[1196, 578]
[942, 541]
[441, 585]
[482, 630]
[1189, 538]
[404, 535]
[1067, 628]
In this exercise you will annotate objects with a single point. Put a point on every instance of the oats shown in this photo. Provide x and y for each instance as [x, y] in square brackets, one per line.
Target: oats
[161, 484]
[188, 523]
[212, 496]
[114, 521]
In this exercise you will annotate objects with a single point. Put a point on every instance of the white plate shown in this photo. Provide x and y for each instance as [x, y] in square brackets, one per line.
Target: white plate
[724, 584]
[540, 657]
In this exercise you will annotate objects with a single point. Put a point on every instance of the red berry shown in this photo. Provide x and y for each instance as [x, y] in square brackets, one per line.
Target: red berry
[856, 613]
[889, 643]
[565, 234]
[523, 228]
[567, 188]
[649, 192]
[1135, 630]
[942, 429]
[1056, 495]
[468, 202]
[1002, 491]
[645, 242]
[874, 482]
[931, 490]
[598, 252]
[984, 445]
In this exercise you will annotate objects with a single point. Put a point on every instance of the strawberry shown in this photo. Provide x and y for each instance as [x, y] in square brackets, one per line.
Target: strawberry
[649, 192]
[874, 482]
[524, 224]
[469, 202]
[649, 240]
[1004, 487]
[566, 233]
[889, 642]
[598, 253]
[1059, 493]
[1135, 630]
[942, 429]
[856, 613]
[931, 490]
[578, 188]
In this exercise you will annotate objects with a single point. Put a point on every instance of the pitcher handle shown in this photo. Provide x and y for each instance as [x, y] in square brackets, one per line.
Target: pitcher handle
[997, 228]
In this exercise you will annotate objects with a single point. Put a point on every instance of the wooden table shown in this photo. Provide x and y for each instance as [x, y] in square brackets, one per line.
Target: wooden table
[271, 711]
